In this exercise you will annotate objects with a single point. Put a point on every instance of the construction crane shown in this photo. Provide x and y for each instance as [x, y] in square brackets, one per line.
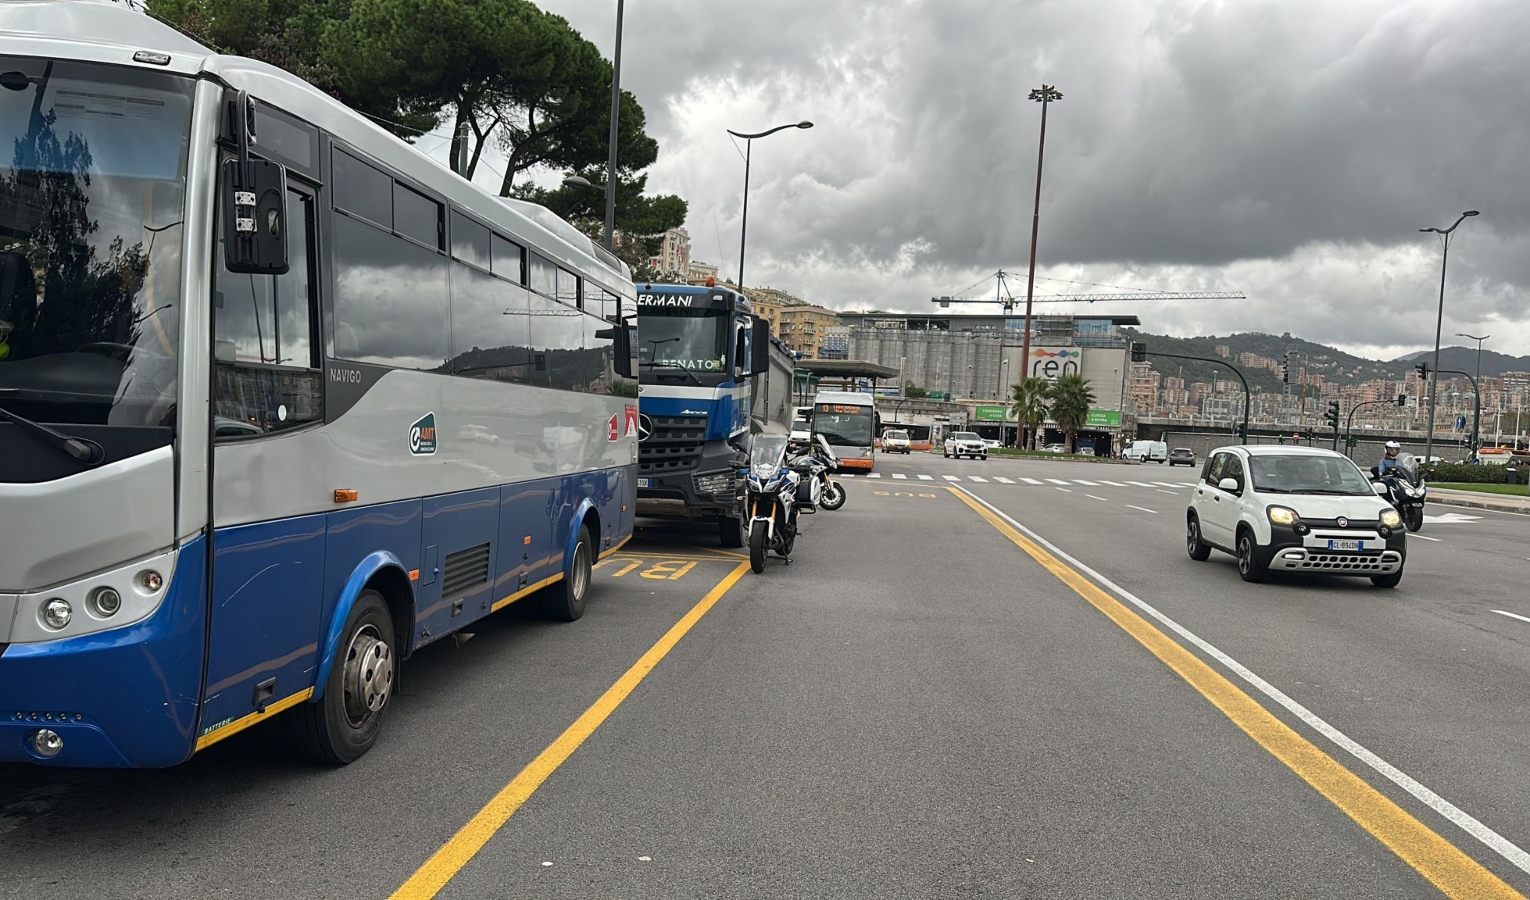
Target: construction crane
[1004, 298]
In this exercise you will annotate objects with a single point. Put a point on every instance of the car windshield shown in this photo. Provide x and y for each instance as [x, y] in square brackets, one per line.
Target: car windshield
[965, 436]
[689, 339]
[896, 435]
[91, 199]
[1303, 474]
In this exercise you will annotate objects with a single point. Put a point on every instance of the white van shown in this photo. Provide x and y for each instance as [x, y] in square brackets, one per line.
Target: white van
[1147, 451]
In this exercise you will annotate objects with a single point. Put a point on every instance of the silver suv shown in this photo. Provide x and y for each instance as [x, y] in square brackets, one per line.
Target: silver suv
[965, 443]
[1294, 509]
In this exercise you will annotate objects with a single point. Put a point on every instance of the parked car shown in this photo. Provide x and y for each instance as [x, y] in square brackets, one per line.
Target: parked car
[965, 443]
[1182, 456]
[1295, 509]
[895, 440]
[1147, 451]
[1055, 448]
[990, 443]
[802, 431]
[1084, 451]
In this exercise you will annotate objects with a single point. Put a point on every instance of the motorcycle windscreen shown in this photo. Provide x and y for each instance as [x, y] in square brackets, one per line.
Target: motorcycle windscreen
[1408, 464]
[766, 454]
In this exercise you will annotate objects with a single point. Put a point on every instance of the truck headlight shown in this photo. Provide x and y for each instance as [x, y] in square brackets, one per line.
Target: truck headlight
[1390, 518]
[1281, 515]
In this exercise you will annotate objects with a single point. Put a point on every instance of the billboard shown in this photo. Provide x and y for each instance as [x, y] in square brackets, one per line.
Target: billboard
[1053, 363]
[990, 414]
[1103, 418]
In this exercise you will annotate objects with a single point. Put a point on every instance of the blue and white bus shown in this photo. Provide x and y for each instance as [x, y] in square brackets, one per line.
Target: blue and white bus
[246, 476]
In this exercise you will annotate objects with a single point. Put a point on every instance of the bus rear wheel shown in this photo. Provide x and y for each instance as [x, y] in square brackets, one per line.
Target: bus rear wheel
[566, 599]
[344, 723]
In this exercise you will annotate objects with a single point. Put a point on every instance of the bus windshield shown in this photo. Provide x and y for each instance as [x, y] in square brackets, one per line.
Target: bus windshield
[845, 429]
[689, 339]
[92, 176]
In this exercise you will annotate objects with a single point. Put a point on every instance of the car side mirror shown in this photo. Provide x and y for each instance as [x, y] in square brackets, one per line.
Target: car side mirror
[1379, 487]
[1230, 485]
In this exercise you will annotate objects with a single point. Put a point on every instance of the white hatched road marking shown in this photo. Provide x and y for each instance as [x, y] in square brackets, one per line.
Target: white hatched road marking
[1512, 615]
[1085, 483]
[901, 477]
[1167, 484]
[978, 478]
[847, 475]
[1065, 490]
[926, 477]
[1057, 481]
[1113, 483]
[1450, 518]
[1093, 497]
[1422, 538]
[951, 478]
[1140, 483]
[1002, 480]
[1142, 508]
[1186, 484]
[1029, 480]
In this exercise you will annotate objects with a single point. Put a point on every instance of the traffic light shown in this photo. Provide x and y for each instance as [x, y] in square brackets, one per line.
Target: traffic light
[1402, 399]
[1333, 415]
[1423, 371]
[1139, 352]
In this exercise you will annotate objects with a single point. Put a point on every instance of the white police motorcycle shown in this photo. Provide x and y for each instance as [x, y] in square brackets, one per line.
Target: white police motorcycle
[775, 494]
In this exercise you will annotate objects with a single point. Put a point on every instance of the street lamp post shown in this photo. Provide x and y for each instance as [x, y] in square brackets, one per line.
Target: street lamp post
[1439, 322]
[616, 106]
[1044, 95]
[1477, 417]
[743, 231]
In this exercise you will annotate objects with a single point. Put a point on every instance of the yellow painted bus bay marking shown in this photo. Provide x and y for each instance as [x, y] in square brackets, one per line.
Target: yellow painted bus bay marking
[1441, 862]
[431, 877]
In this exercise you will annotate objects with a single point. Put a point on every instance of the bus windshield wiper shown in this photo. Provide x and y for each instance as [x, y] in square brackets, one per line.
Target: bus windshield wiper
[667, 364]
[86, 453]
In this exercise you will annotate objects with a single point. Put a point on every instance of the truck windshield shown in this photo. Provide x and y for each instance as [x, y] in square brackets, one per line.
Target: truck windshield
[694, 340]
[92, 177]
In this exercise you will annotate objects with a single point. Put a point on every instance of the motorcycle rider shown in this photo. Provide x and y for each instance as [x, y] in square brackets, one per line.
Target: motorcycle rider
[1389, 460]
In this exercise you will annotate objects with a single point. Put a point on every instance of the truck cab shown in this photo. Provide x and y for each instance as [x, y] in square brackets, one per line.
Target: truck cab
[702, 357]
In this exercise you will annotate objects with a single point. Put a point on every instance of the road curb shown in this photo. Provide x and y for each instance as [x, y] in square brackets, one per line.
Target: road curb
[1474, 503]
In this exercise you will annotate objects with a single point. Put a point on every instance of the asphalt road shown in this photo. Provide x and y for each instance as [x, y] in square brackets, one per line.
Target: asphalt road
[916, 707]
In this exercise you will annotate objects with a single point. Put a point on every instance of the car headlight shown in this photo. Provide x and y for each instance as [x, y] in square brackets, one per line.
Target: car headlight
[1390, 518]
[1281, 515]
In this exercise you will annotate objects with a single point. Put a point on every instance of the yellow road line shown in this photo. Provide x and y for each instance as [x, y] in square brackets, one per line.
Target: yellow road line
[1438, 860]
[430, 878]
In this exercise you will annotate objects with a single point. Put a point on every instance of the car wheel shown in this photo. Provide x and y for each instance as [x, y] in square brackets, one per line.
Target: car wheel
[1387, 581]
[1198, 549]
[1248, 567]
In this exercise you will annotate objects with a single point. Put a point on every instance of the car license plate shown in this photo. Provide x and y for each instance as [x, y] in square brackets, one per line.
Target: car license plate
[642, 482]
[1346, 545]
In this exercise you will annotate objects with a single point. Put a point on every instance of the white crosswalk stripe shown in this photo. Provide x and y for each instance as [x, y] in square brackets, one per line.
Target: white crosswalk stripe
[1113, 483]
[874, 475]
[1057, 481]
[1029, 480]
[952, 478]
[1083, 482]
[1140, 484]
[926, 477]
[978, 478]
[1002, 480]
[847, 474]
[900, 476]
[1167, 484]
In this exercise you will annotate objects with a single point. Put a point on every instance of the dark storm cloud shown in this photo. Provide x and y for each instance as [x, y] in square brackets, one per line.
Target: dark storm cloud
[1290, 149]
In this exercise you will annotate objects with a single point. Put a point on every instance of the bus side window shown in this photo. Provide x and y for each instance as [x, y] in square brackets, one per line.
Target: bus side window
[268, 376]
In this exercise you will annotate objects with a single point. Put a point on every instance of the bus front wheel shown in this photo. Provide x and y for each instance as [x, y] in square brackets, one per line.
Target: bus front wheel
[343, 724]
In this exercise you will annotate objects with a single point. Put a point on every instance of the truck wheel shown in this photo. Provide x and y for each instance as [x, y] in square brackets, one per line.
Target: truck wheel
[730, 532]
[566, 600]
[345, 722]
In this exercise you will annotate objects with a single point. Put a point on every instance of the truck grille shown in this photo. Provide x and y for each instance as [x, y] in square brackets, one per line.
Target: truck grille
[674, 445]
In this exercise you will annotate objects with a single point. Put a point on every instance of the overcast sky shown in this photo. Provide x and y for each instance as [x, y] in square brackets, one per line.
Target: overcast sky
[1289, 149]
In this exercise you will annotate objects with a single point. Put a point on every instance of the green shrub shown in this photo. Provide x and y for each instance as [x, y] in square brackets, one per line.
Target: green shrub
[1459, 474]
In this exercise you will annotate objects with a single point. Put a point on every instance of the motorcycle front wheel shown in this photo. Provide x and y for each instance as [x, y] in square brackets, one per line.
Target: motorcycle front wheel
[833, 496]
[1413, 518]
[757, 541]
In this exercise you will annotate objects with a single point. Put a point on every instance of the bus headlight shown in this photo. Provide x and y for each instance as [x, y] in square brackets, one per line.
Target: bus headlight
[56, 613]
[105, 601]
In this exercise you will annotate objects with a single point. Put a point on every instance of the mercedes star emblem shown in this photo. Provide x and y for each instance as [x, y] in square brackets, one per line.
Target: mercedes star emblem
[1343, 522]
[645, 428]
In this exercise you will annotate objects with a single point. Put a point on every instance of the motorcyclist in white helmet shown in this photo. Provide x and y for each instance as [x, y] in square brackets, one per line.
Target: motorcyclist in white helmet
[1389, 460]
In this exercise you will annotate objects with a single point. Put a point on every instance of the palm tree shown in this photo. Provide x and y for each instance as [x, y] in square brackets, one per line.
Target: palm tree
[1071, 401]
[1029, 406]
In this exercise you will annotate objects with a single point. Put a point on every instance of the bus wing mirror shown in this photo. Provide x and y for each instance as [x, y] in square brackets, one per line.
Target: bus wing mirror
[621, 349]
[254, 202]
[759, 356]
